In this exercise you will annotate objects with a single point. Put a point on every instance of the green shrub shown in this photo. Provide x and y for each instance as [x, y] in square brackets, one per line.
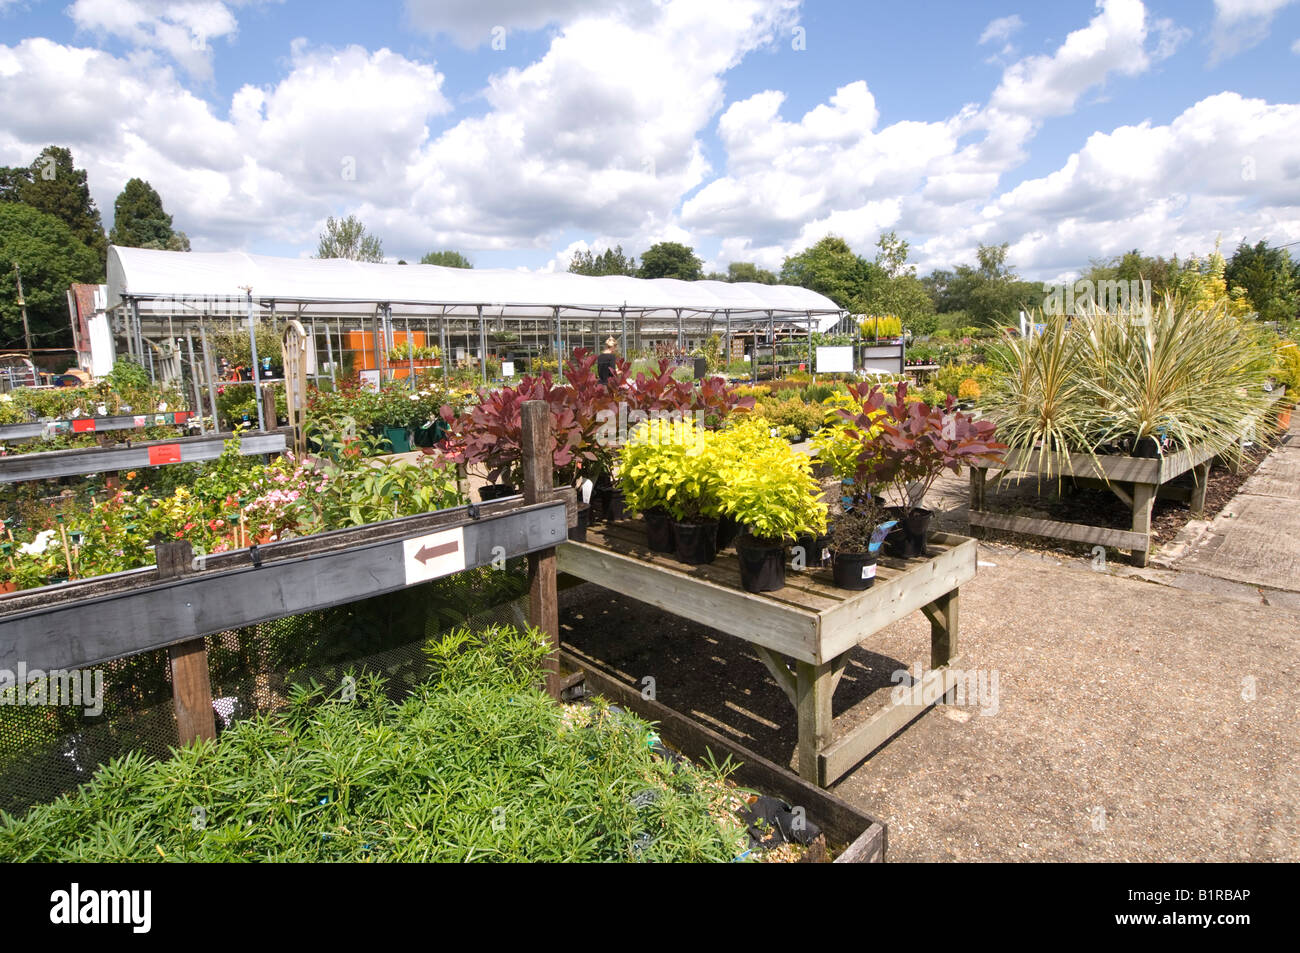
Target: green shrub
[476, 764]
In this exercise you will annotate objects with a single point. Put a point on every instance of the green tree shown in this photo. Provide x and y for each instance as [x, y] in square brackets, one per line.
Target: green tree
[893, 287]
[989, 292]
[448, 259]
[671, 260]
[1135, 266]
[1270, 279]
[347, 238]
[51, 258]
[748, 271]
[140, 221]
[56, 187]
[611, 261]
[830, 267]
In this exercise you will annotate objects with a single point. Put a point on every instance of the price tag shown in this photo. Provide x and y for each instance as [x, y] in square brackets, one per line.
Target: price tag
[164, 453]
[869, 572]
[83, 425]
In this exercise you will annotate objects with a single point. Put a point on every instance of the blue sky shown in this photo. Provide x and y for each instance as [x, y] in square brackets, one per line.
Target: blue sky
[519, 131]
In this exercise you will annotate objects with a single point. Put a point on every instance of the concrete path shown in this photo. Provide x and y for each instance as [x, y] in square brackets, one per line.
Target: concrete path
[1256, 538]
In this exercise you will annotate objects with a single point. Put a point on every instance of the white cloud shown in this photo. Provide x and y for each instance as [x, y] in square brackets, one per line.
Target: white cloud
[183, 31]
[1241, 24]
[1112, 42]
[1001, 29]
[474, 23]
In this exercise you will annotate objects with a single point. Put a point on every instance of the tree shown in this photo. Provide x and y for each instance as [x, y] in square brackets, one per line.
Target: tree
[55, 186]
[51, 258]
[140, 221]
[347, 238]
[1135, 266]
[893, 287]
[448, 259]
[748, 271]
[671, 260]
[610, 262]
[1202, 284]
[830, 267]
[1269, 278]
[989, 292]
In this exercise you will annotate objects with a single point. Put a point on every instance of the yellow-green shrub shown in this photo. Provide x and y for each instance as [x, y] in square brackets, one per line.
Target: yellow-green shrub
[766, 485]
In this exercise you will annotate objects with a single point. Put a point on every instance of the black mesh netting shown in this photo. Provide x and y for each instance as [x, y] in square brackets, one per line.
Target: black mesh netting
[48, 750]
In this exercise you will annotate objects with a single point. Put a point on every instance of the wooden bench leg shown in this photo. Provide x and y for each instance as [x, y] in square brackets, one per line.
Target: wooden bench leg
[944, 632]
[1201, 473]
[815, 688]
[978, 481]
[1144, 497]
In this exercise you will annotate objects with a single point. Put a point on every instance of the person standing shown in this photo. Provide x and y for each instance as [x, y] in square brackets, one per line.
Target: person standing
[606, 361]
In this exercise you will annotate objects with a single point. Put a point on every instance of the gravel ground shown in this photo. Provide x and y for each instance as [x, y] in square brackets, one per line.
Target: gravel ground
[1120, 730]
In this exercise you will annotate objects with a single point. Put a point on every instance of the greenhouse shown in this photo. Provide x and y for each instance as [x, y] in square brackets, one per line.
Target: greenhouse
[507, 315]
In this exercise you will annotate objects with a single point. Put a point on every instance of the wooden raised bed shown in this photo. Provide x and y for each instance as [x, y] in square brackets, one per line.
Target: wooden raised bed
[864, 838]
[802, 633]
[1135, 480]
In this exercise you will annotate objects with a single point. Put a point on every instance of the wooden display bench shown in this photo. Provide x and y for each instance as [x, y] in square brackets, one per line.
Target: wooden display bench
[804, 632]
[1137, 481]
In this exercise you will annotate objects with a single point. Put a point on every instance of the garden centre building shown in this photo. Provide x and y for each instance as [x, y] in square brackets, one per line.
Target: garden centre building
[164, 303]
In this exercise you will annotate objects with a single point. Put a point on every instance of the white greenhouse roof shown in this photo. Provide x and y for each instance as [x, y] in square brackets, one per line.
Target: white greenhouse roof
[166, 280]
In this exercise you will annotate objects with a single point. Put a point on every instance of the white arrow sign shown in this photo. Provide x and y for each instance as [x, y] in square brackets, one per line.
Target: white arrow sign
[437, 554]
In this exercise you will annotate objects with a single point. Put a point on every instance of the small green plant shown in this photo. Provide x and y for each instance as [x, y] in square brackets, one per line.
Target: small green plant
[477, 763]
[767, 486]
[671, 465]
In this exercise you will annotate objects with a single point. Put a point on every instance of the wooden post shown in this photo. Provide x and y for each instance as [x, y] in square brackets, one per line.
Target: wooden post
[944, 630]
[1144, 496]
[978, 477]
[543, 600]
[191, 686]
[1201, 474]
[814, 690]
[268, 407]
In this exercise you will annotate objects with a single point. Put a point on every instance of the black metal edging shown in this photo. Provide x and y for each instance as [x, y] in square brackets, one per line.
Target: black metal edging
[53, 464]
[89, 631]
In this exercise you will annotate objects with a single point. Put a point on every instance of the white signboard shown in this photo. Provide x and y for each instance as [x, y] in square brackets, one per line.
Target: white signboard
[835, 360]
[437, 554]
[507, 368]
[370, 381]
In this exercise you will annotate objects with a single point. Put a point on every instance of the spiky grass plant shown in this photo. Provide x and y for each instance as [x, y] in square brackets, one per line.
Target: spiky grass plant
[1178, 376]
[1040, 402]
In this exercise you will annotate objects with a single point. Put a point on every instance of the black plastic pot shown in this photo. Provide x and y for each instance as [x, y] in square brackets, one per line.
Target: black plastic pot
[659, 532]
[728, 530]
[816, 550]
[696, 543]
[1147, 447]
[579, 533]
[762, 565]
[912, 534]
[854, 570]
[495, 491]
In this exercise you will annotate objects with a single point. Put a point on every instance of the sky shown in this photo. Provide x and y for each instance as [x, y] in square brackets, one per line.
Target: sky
[521, 131]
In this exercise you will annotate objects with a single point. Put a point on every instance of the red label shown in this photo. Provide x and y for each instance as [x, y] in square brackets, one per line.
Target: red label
[183, 416]
[165, 453]
[83, 425]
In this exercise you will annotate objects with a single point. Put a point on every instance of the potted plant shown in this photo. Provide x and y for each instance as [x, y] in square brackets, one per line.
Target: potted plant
[855, 540]
[905, 446]
[670, 475]
[769, 489]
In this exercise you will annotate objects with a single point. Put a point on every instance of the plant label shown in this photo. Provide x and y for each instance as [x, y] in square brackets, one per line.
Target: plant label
[83, 425]
[435, 555]
[869, 572]
[164, 453]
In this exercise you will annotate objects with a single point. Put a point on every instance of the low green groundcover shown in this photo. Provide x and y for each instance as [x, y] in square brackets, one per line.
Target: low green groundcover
[476, 764]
